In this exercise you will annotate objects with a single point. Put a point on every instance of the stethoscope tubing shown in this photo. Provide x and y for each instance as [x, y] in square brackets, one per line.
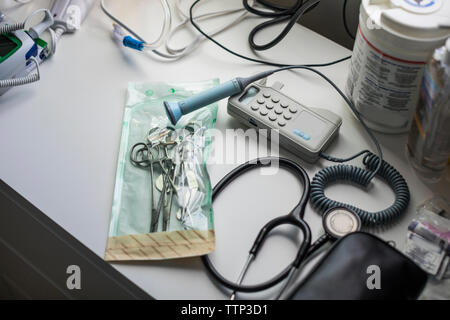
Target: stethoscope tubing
[295, 217]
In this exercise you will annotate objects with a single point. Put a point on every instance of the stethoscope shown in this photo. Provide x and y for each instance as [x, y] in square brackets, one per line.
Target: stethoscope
[337, 222]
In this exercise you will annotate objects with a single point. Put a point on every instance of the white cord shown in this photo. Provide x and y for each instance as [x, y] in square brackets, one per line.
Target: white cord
[55, 35]
[164, 32]
[20, 25]
[183, 51]
[167, 34]
[5, 83]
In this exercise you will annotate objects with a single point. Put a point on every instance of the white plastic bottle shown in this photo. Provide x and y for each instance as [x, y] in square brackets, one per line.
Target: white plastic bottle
[429, 138]
[395, 40]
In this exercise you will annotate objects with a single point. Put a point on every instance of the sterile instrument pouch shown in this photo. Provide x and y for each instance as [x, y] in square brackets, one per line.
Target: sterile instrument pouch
[162, 199]
[361, 266]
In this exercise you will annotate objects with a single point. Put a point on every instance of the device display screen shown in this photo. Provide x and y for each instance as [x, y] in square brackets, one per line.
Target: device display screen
[6, 46]
[248, 96]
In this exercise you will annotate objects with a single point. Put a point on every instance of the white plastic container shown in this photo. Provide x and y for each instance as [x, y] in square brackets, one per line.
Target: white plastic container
[395, 40]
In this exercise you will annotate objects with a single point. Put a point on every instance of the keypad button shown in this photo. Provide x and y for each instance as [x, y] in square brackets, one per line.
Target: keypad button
[287, 116]
[284, 104]
[275, 100]
[266, 95]
[269, 106]
[272, 117]
[264, 112]
[255, 108]
[261, 100]
[278, 110]
[281, 123]
[293, 109]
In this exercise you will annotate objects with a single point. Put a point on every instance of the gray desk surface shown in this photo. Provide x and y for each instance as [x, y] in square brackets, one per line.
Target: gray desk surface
[60, 140]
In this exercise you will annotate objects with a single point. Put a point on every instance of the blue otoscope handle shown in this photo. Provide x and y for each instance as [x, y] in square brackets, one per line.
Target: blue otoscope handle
[175, 110]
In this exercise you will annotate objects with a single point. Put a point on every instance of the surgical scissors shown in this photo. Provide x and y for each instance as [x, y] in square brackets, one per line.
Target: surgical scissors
[145, 155]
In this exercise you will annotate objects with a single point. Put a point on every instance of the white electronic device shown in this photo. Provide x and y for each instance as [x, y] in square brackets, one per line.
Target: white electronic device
[21, 51]
[304, 131]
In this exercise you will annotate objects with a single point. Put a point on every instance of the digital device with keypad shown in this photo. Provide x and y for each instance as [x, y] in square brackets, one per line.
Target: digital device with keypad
[16, 49]
[304, 131]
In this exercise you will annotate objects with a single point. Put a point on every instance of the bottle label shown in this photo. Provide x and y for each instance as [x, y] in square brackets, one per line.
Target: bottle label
[384, 88]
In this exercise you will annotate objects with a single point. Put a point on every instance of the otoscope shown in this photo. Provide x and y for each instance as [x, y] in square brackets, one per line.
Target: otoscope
[175, 110]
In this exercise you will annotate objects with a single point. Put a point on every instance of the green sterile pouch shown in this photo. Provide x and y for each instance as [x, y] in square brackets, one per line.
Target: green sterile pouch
[162, 198]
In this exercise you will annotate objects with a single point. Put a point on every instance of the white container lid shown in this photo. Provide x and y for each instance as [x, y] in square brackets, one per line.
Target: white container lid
[425, 19]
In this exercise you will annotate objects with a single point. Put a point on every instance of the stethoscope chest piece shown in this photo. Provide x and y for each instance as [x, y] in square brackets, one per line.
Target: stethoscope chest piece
[339, 222]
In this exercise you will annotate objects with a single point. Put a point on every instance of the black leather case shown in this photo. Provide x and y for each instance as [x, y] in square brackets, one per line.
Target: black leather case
[345, 270]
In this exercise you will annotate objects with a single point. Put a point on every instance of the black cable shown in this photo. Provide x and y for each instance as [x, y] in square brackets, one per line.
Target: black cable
[353, 108]
[340, 160]
[249, 58]
[283, 67]
[363, 177]
[292, 15]
[344, 17]
[306, 67]
[375, 166]
[374, 163]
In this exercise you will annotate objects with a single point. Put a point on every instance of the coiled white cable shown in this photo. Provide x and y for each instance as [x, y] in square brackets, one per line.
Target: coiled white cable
[6, 28]
[24, 80]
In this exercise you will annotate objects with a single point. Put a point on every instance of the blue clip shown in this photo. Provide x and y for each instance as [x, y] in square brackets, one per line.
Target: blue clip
[130, 42]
